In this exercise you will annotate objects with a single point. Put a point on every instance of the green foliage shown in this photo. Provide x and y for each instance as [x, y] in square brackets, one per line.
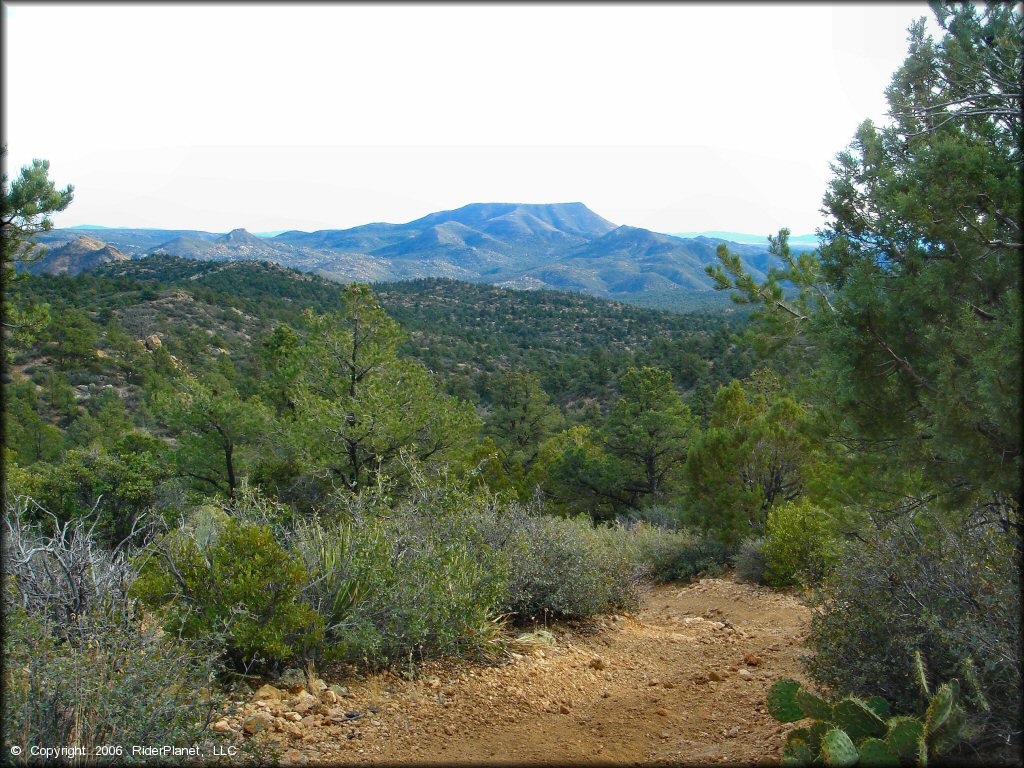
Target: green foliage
[800, 546]
[121, 485]
[689, 556]
[25, 208]
[521, 418]
[359, 405]
[782, 703]
[212, 424]
[838, 750]
[636, 456]
[237, 583]
[912, 312]
[756, 453]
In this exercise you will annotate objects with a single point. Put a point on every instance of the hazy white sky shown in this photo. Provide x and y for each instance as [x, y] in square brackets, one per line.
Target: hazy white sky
[269, 117]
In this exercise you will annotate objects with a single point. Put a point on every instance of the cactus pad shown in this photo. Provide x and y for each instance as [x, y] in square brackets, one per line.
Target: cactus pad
[837, 749]
[857, 719]
[949, 734]
[782, 701]
[798, 748]
[921, 675]
[879, 706]
[904, 737]
[813, 705]
[939, 708]
[876, 753]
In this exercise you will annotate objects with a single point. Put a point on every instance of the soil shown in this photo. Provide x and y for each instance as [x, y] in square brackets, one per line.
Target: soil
[681, 681]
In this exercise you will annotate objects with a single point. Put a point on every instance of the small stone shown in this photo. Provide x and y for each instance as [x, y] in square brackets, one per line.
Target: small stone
[716, 676]
[662, 712]
[449, 730]
[292, 680]
[221, 726]
[670, 685]
[598, 663]
[304, 702]
[652, 682]
[746, 674]
[257, 722]
[563, 709]
[267, 692]
[751, 660]
[329, 697]
[605, 694]
[292, 716]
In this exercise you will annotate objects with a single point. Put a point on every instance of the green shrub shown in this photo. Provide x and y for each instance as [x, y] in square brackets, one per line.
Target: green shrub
[750, 561]
[799, 545]
[951, 591]
[695, 555]
[231, 580]
[561, 567]
[398, 577]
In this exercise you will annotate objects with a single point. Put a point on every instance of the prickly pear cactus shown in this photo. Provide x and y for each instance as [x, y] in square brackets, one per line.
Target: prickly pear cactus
[798, 747]
[782, 701]
[879, 706]
[904, 738]
[949, 734]
[876, 753]
[857, 719]
[939, 709]
[838, 750]
[854, 731]
[812, 705]
[921, 675]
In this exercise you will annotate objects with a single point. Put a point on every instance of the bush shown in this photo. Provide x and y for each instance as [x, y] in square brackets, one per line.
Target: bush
[110, 682]
[230, 580]
[82, 667]
[694, 555]
[799, 545]
[567, 568]
[394, 578]
[750, 561]
[951, 591]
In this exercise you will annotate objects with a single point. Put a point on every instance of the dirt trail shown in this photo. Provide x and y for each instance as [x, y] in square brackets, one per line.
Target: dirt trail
[621, 690]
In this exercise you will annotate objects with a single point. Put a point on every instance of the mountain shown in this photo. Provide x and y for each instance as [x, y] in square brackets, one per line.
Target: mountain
[809, 241]
[561, 246]
[77, 255]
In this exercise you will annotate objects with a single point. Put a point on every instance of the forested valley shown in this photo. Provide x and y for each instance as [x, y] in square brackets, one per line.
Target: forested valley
[225, 474]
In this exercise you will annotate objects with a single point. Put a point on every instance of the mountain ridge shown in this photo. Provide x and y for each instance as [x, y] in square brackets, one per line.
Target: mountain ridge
[562, 246]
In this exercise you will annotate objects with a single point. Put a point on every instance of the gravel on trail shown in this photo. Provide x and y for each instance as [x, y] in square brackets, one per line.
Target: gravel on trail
[681, 681]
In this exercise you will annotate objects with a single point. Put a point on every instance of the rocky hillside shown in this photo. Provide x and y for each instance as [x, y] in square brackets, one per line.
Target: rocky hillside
[77, 255]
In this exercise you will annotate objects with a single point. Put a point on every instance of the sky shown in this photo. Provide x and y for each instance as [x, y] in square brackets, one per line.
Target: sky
[674, 117]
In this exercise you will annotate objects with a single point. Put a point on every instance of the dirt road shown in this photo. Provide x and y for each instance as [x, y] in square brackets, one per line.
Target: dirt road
[683, 680]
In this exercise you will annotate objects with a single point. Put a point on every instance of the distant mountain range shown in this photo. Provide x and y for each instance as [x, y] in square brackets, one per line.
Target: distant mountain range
[563, 246]
[808, 241]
